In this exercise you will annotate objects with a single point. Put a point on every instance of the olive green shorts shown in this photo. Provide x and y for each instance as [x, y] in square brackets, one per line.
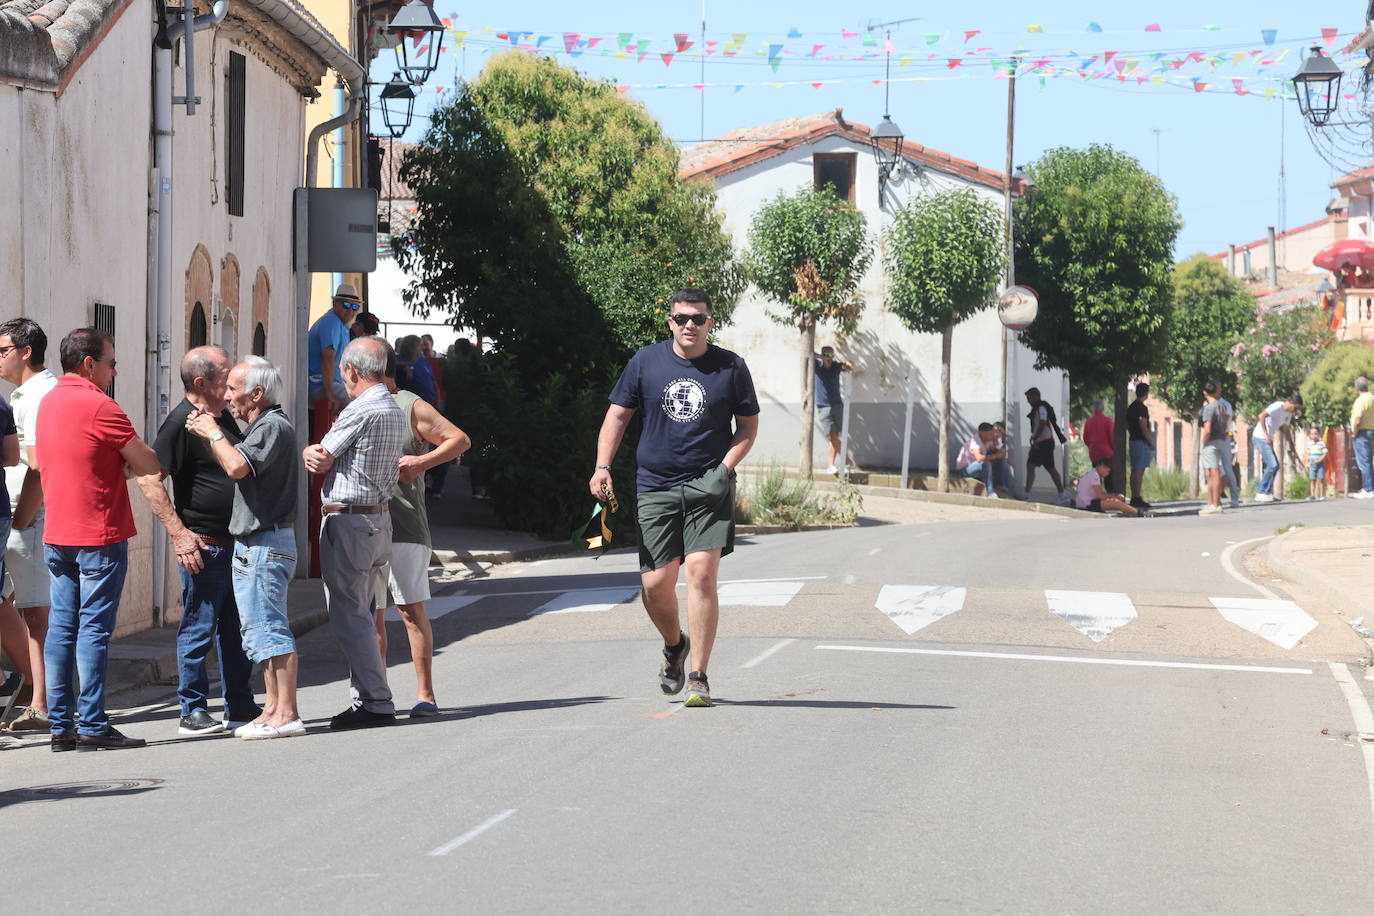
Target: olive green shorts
[690, 517]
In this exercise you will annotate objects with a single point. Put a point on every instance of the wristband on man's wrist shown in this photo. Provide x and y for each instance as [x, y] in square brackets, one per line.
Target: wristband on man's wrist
[603, 467]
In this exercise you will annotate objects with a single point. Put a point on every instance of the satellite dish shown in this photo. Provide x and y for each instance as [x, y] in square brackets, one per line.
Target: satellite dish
[1018, 307]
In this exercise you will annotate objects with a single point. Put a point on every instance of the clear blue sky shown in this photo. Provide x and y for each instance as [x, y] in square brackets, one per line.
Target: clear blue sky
[1218, 152]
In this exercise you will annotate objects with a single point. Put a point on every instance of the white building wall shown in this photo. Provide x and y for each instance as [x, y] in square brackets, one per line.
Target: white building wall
[76, 230]
[887, 357]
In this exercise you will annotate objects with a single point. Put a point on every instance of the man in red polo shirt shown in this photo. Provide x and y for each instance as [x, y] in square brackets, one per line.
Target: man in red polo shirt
[86, 449]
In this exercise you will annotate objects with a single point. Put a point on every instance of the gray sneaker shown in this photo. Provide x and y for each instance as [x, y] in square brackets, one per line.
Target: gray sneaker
[671, 672]
[698, 690]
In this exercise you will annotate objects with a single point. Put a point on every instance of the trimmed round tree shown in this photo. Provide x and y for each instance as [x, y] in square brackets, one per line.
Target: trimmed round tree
[1096, 243]
[944, 256]
[1329, 392]
[807, 252]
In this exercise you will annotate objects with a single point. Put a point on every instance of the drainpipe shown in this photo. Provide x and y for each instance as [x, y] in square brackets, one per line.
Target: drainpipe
[340, 157]
[1273, 261]
[300, 403]
[159, 320]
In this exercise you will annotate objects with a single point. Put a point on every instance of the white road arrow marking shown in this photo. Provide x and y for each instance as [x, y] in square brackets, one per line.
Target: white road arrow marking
[1281, 622]
[758, 594]
[912, 607]
[1094, 614]
[587, 600]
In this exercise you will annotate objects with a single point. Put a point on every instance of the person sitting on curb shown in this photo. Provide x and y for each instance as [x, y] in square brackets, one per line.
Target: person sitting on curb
[981, 459]
[1093, 497]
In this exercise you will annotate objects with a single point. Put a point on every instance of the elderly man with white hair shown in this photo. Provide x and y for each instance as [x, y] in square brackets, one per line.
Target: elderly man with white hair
[360, 457]
[263, 466]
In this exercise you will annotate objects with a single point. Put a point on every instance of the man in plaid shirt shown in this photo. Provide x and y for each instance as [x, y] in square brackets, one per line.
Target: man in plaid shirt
[360, 458]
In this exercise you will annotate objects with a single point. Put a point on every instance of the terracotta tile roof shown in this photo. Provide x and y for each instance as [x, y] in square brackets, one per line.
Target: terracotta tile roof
[1279, 235]
[393, 188]
[1351, 177]
[40, 39]
[748, 145]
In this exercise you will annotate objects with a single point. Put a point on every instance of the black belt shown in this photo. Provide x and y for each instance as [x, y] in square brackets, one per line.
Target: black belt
[355, 510]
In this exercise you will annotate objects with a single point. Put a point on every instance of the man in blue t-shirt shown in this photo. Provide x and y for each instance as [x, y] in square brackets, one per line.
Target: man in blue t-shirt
[700, 419]
[829, 400]
[327, 340]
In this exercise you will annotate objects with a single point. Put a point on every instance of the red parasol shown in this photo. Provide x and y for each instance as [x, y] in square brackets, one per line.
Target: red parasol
[1350, 251]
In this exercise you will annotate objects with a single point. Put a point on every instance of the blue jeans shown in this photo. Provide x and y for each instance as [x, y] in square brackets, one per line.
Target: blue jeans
[1270, 463]
[1228, 468]
[1364, 446]
[86, 582]
[263, 566]
[209, 615]
[994, 474]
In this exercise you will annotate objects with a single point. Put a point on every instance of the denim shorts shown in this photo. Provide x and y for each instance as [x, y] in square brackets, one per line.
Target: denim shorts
[263, 566]
[1142, 456]
[1316, 470]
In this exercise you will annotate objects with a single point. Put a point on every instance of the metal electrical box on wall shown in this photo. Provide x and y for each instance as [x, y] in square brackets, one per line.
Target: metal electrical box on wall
[342, 235]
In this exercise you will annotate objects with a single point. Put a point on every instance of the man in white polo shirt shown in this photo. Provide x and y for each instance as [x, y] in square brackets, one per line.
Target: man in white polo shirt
[23, 347]
[1271, 432]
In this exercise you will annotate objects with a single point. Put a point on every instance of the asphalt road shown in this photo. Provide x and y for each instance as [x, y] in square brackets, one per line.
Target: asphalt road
[995, 759]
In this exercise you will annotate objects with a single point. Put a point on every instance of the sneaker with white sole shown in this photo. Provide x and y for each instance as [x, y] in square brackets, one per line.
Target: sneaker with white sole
[671, 672]
[1264, 497]
[1210, 510]
[260, 731]
[1363, 494]
[198, 724]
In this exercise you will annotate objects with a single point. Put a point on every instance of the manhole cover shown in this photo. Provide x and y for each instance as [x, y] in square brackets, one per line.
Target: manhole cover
[94, 787]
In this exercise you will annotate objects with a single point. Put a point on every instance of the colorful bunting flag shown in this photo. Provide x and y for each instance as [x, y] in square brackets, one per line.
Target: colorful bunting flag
[1152, 27]
[793, 33]
[1269, 35]
[1328, 36]
[969, 34]
[1094, 27]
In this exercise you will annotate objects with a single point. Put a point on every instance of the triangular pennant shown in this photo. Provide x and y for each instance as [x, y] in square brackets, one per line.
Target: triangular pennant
[933, 39]
[1328, 36]
[1094, 27]
[682, 43]
[815, 48]
[953, 62]
[667, 59]
[1269, 35]
[848, 34]
[624, 38]
[1035, 28]
[969, 33]
[1107, 57]
[817, 85]
[870, 40]
[1198, 85]
[570, 41]
[1152, 27]
[793, 33]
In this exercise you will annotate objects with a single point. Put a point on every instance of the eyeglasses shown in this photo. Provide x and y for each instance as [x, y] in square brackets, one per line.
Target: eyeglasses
[112, 361]
[5, 351]
[698, 319]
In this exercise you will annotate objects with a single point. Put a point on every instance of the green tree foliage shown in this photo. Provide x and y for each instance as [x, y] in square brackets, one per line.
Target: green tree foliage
[944, 255]
[550, 219]
[807, 252]
[1096, 243]
[1211, 311]
[1277, 354]
[1329, 391]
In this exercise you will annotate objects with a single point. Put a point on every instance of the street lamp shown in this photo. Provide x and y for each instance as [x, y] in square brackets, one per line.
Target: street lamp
[398, 105]
[886, 140]
[1318, 86]
[417, 21]
[1027, 183]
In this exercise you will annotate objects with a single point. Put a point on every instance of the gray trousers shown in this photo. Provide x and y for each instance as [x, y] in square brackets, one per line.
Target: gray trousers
[354, 548]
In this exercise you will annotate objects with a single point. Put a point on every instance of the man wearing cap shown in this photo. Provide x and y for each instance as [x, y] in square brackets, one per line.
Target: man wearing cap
[328, 337]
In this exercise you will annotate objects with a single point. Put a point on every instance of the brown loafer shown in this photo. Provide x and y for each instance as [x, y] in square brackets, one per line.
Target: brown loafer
[64, 742]
[30, 720]
[110, 741]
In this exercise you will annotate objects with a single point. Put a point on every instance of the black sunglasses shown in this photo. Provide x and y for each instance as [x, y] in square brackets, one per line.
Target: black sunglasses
[698, 319]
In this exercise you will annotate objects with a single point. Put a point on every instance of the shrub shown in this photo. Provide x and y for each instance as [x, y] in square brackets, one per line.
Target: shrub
[1163, 485]
[1299, 487]
[1329, 391]
[773, 498]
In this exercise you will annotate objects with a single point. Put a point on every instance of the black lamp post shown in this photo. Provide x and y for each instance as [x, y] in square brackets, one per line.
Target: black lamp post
[886, 140]
[417, 22]
[1318, 87]
[398, 105]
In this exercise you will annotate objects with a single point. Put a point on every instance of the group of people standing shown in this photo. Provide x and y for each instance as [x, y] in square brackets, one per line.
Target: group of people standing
[229, 450]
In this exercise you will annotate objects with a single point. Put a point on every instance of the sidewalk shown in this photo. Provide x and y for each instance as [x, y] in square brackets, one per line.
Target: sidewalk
[1335, 564]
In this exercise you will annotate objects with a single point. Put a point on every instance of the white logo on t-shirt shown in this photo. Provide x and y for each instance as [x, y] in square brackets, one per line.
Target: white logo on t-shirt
[684, 399]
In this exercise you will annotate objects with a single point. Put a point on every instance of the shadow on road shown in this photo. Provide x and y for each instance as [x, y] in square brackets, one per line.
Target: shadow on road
[828, 704]
[105, 788]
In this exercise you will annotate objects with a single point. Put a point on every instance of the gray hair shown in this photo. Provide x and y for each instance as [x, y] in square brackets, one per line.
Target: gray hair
[367, 355]
[1362, 384]
[1099, 405]
[202, 362]
[260, 373]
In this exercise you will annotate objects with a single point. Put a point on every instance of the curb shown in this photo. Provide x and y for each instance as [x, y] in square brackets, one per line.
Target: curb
[1338, 598]
[958, 499]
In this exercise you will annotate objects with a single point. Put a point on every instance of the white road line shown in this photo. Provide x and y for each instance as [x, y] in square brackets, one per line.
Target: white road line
[850, 579]
[769, 593]
[1069, 658]
[1364, 720]
[767, 653]
[584, 601]
[875, 551]
[472, 834]
[1236, 574]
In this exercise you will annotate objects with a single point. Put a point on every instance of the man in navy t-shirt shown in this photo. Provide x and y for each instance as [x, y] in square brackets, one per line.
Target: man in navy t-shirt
[700, 418]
